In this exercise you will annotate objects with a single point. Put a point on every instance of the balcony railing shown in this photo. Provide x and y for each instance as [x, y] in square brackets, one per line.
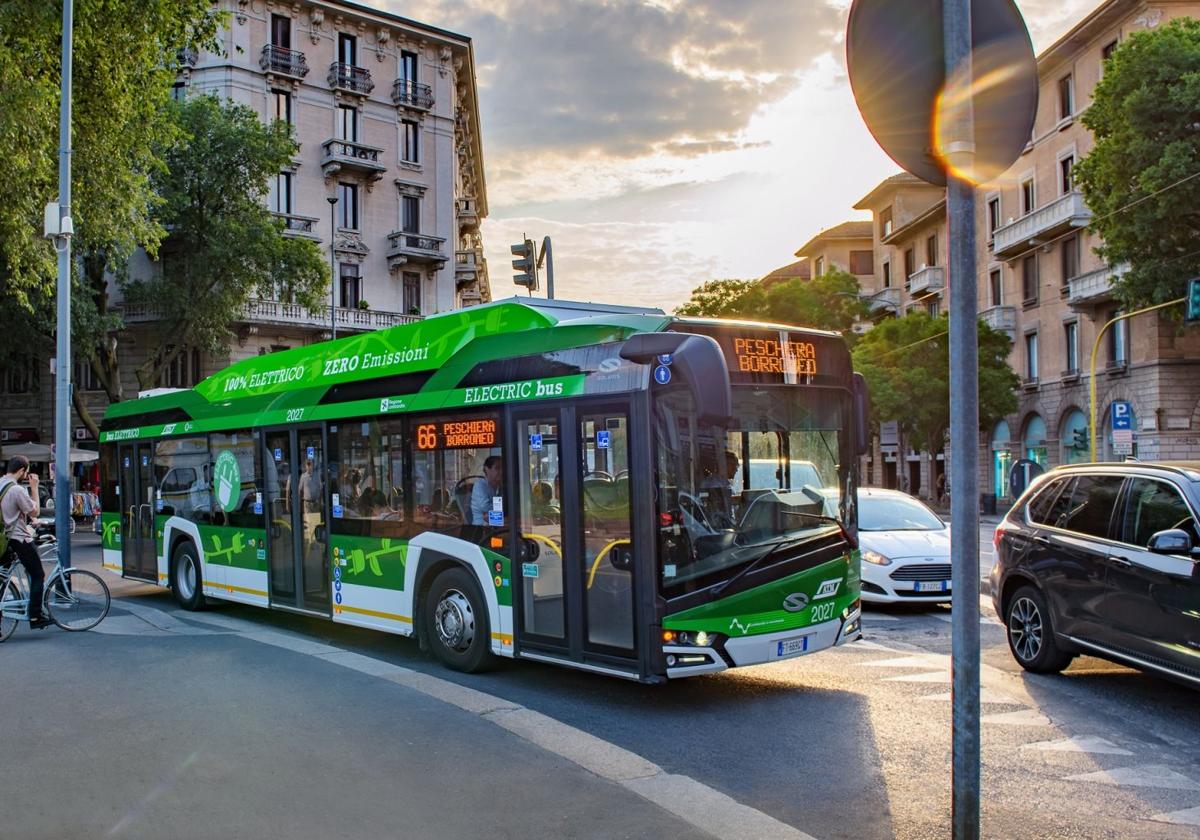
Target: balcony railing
[293, 314]
[1059, 216]
[355, 157]
[188, 56]
[283, 62]
[294, 225]
[410, 94]
[884, 300]
[405, 247]
[468, 213]
[350, 78]
[467, 265]
[1095, 286]
[1003, 318]
[927, 280]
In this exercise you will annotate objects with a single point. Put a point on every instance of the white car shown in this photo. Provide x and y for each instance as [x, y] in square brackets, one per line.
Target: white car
[905, 549]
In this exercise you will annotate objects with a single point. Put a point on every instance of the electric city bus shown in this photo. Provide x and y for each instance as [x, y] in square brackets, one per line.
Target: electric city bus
[603, 487]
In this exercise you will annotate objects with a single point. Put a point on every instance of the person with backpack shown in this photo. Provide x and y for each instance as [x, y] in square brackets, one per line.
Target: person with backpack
[18, 508]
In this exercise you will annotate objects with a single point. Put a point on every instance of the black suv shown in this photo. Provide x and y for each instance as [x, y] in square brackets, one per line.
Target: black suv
[1104, 559]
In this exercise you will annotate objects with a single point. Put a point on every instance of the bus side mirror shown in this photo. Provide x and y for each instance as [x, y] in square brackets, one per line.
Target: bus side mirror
[700, 362]
[862, 415]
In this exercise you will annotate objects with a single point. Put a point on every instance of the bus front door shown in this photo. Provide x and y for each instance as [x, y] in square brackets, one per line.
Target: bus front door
[297, 555]
[138, 545]
[573, 544]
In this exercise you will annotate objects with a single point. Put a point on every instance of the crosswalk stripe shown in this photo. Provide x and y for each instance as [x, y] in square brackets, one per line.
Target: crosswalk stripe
[902, 662]
[1079, 745]
[928, 677]
[1191, 816]
[986, 695]
[1024, 717]
[1146, 775]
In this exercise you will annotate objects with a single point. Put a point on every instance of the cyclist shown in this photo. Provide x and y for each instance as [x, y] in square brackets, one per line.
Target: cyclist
[18, 509]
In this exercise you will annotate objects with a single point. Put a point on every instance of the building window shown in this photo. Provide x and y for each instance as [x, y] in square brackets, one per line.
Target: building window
[1070, 259]
[1066, 97]
[862, 263]
[1118, 341]
[1066, 177]
[183, 371]
[350, 284]
[1029, 279]
[281, 193]
[179, 91]
[887, 274]
[348, 206]
[885, 223]
[1109, 49]
[84, 378]
[1031, 357]
[347, 49]
[819, 268]
[1028, 199]
[993, 209]
[931, 251]
[347, 123]
[410, 145]
[1071, 337]
[281, 106]
[934, 308]
[281, 32]
[410, 214]
[408, 66]
[995, 280]
[910, 264]
[21, 375]
[412, 293]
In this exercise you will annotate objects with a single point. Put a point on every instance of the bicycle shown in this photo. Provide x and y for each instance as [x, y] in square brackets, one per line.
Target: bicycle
[74, 599]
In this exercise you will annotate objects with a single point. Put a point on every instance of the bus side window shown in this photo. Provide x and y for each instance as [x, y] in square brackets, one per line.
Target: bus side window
[458, 470]
[369, 479]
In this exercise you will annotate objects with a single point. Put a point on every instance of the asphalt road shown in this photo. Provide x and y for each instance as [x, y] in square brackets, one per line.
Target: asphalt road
[851, 743]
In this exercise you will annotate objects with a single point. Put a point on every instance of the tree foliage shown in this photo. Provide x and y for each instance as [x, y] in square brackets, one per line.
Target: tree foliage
[830, 301]
[907, 365]
[1147, 139]
[224, 246]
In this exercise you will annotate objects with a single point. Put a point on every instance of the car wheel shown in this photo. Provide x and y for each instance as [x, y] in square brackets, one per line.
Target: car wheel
[1031, 634]
[186, 580]
[456, 621]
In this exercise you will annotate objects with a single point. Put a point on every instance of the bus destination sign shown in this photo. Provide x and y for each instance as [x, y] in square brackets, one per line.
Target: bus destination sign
[769, 355]
[457, 434]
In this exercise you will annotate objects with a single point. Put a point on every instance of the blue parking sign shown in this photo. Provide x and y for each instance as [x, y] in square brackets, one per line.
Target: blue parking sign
[1122, 416]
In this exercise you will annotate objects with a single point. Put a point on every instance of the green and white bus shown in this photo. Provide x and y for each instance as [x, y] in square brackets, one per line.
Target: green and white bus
[603, 487]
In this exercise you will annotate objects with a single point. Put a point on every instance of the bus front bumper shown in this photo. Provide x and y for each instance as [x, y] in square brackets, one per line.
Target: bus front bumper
[687, 661]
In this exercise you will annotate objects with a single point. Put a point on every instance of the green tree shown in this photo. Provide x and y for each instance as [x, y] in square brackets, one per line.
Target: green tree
[828, 302]
[224, 247]
[1143, 117]
[907, 365]
[717, 299]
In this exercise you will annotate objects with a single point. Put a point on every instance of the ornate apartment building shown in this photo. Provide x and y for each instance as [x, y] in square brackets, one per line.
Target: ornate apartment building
[1041, 282]
[386, 113]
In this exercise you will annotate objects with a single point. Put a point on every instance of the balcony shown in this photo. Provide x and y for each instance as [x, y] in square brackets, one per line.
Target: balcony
[277, 313]
[927, 281]
[350, 79]
[885, 300]
[187, 57]
[1095, 287]
[468, 266]
[299, 226]
[283, 62]
[346, 155]
[409, 94]
[415, 248]
[1059, 216]
[1002, 318]
[468, 214]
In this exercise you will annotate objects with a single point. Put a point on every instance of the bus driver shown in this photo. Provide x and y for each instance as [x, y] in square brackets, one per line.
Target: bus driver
[482, 492]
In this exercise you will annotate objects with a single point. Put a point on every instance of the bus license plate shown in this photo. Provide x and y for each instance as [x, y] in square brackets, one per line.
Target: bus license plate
[933, 586]
[791, 647]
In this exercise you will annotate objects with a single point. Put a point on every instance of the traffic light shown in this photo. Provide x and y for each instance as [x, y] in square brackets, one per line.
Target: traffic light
[1083, 440]
[526, 264]
[1193, 301]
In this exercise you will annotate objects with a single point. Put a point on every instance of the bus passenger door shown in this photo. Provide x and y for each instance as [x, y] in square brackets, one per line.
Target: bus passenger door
[138, 545]
[295, 496]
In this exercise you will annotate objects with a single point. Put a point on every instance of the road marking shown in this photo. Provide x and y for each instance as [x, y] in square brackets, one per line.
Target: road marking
[901, 662]
[1146, 775]
[1024, 717]
[127, 625]
[986, 695]
[1083, 744]
[928, 677]
[983, 619]
[710, 810]
[1189, 817]
[872, 617]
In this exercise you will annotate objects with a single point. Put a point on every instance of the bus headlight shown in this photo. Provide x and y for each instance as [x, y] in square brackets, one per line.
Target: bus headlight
[875, 558]
[697, 638]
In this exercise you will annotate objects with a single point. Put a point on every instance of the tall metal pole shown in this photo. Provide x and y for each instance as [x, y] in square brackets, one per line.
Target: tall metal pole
[333, 200]
[548, 254]
[964, 419]
[62, 371]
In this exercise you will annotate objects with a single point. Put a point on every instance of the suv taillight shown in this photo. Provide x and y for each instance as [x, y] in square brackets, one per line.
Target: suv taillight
[997, 537]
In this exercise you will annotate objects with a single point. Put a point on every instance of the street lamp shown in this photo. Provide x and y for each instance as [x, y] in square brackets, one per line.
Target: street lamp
[332, 266]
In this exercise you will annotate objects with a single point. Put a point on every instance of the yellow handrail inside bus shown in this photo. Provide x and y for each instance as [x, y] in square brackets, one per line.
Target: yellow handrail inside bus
[603, 553]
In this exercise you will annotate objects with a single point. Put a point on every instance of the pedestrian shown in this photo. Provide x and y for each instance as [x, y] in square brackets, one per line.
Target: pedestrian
[18, 508]
[941, 488]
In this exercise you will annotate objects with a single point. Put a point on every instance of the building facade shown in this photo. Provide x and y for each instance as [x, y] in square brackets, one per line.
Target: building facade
[385, 110]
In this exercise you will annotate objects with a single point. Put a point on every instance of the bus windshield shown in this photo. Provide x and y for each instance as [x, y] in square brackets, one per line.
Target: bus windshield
[728, 494]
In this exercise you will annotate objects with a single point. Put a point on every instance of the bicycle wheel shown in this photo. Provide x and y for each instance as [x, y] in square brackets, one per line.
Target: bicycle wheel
[77, 600]
[10, 593]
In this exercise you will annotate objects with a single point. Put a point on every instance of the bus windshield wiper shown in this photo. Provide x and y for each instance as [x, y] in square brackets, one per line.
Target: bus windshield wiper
[756, 562]
[821, 517]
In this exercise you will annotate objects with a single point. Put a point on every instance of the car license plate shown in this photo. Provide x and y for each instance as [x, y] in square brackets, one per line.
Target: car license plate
[932, 586]
[791, 647]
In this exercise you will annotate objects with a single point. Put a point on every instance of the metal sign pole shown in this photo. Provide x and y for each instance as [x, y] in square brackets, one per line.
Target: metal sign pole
[964, 419]
[62, 370]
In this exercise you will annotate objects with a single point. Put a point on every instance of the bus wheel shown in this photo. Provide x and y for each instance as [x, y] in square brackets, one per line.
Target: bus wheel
[186, 580]
[456, 621]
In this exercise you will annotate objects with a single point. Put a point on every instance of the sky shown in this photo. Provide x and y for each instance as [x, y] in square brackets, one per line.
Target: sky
[664, 143]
